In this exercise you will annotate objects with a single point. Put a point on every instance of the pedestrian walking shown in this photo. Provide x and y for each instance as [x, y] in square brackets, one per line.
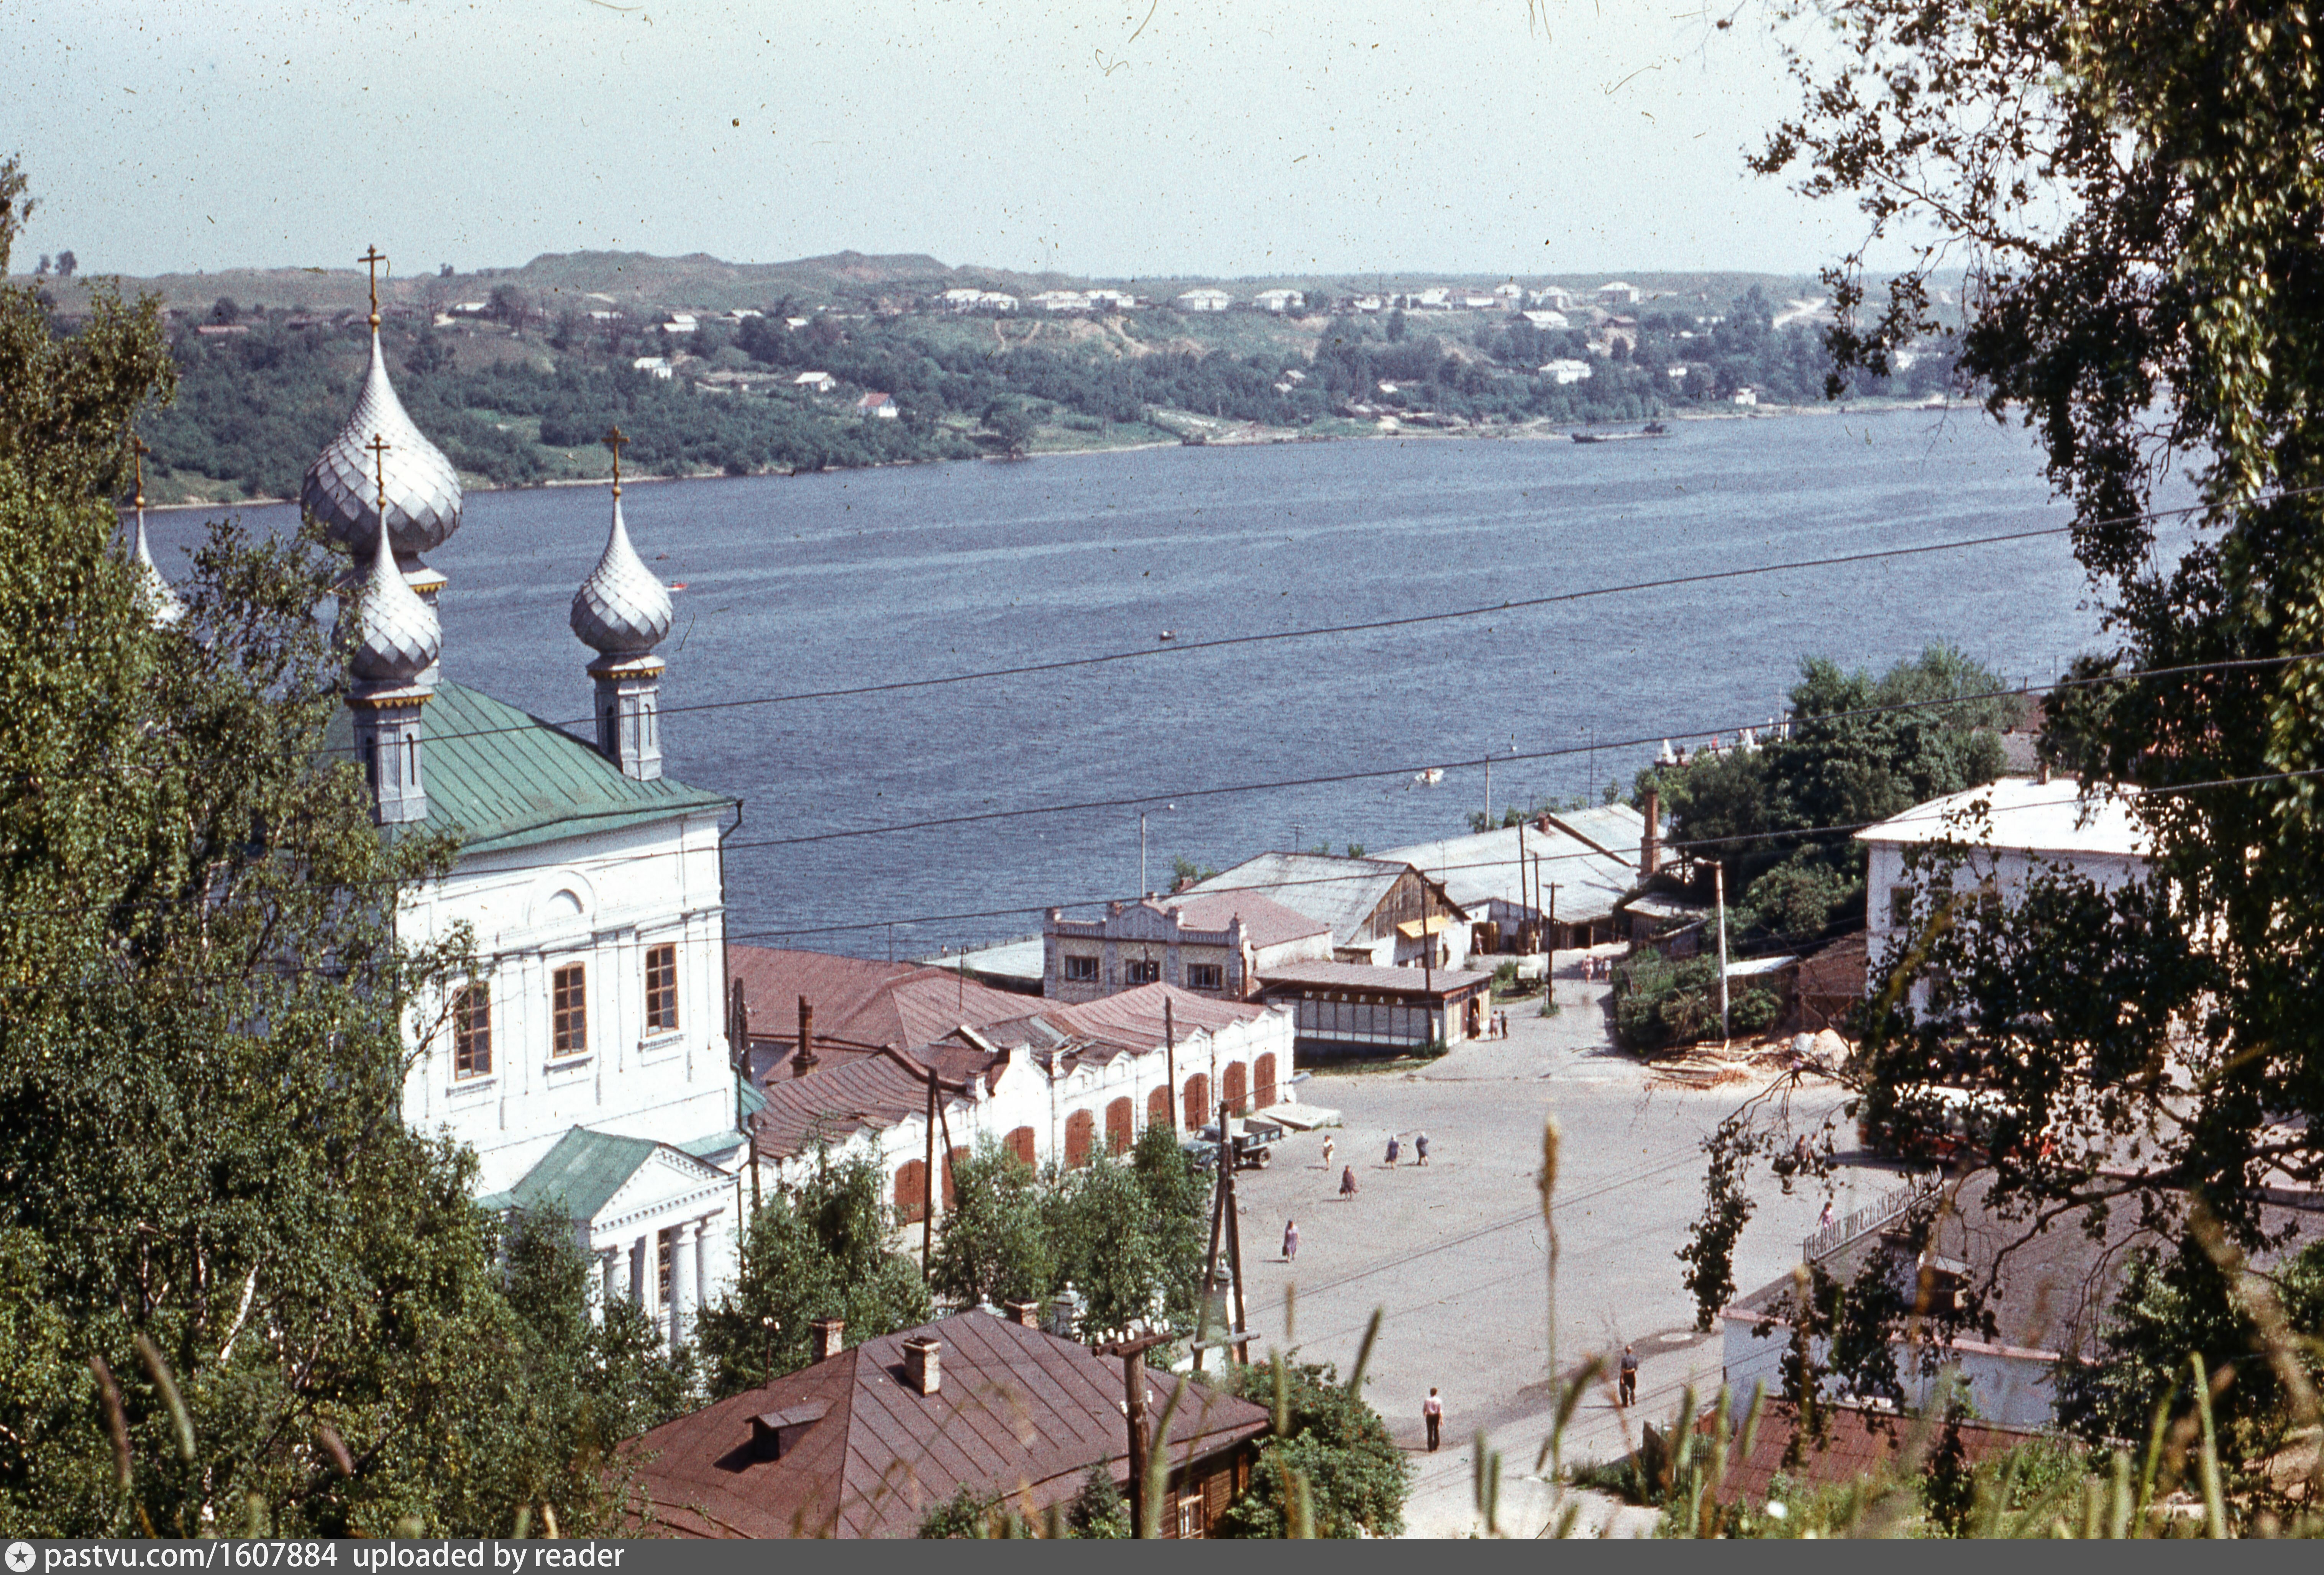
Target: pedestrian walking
[1395, 1147]
[1347, 1181]
[1420, 1149]
[1627, 1393]
[1291, 1241]
[1432, 1409]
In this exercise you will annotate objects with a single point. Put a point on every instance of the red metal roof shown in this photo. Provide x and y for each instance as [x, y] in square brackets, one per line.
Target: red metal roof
[863, 1003]
[1266, 922]
[1017, 1411]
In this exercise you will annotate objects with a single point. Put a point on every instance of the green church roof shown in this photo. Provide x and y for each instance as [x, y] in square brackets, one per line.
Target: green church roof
[581, 1174]
[503, 778]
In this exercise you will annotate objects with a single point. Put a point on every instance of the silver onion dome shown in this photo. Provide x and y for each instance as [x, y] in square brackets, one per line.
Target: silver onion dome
[620, 609]
[391, 634]
[423, 491]
[161, 603]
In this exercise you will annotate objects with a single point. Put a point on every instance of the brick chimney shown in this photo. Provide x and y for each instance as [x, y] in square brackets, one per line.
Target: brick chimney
[827, 1336]
[1028, 1313]
[924, 1363]
[804, 1061]
[1650, 844]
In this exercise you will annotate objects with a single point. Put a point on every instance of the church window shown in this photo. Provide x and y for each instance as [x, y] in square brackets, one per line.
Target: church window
[472, 1032]
[570, 1000]
[1142, 971]
[661, 989]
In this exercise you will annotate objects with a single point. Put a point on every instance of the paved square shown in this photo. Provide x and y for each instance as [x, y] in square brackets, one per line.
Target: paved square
[1455, 1254]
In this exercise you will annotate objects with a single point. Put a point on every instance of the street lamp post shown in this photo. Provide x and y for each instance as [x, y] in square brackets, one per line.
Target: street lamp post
[1144, 889]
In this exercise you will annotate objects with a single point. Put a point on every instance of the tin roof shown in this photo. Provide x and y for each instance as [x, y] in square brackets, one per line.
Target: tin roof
[1016, 1411]
[1483, 867]
[834, 1103]
[2032, 816]
[505, 779]
[1440, 982]
[1340, 892]
[862, 1003]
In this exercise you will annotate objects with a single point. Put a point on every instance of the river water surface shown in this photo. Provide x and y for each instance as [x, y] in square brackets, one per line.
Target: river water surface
[862, 578]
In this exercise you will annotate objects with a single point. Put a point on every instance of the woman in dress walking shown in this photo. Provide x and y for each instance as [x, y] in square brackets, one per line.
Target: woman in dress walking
[1291, 1241]
[1395, 1147]
[1347, 1181]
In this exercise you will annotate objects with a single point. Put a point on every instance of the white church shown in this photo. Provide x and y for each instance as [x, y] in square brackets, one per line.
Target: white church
[587, 1064]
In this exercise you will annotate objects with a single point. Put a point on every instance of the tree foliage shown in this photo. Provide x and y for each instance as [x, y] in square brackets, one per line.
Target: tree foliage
[1849, 757]
[1126, 1231]
[1355, 1477]
[2136, 192]
[817, 1251]
[205, 1177]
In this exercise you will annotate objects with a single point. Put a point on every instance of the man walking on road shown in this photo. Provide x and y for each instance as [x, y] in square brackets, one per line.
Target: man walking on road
[1432, 1409]
[1627, 1392]
[1327, 1151]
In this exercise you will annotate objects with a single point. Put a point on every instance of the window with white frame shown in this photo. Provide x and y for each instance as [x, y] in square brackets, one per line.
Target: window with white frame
[1206, 976]
[1080, 970]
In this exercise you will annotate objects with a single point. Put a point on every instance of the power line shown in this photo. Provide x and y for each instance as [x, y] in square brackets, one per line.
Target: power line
[1377, 774]
[1409, 620]
[1688, 847]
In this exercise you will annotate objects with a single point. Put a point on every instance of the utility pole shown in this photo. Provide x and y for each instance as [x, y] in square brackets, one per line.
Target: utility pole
[1549, 950]
[1133, 1353]
[1488, 789]
[1718, 884]
[1170, 1061]
[928, 1186]
[1142, 888]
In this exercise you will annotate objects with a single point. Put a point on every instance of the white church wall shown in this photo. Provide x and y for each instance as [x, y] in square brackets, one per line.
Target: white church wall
[603, 904]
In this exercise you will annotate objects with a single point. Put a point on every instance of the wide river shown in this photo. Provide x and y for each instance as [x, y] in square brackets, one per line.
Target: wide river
[848, 580]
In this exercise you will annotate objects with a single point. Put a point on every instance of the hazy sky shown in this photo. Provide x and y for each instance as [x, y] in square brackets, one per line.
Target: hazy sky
[1109, 138]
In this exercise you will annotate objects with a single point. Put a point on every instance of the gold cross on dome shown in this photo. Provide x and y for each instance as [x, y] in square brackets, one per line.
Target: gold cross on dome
[372, 259]
[379, 446]
[614, 440]
[138, 444]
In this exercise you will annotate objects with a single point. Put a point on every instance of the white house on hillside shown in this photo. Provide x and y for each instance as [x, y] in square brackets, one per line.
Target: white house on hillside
[2013, 831]
[1204, 300]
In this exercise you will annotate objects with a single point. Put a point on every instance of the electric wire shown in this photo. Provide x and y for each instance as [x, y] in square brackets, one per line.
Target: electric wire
[1408, 620]
[1399, 772]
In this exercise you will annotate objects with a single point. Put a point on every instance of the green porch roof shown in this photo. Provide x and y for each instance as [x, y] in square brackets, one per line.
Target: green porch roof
[579, 1176]
[503, 778]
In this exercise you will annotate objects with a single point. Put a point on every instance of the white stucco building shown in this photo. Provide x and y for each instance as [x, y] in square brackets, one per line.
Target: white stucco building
[1059, 1083]
[1215, 944]
[2012, 830]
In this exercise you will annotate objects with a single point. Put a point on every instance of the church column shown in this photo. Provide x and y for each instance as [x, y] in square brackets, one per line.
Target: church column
[705, 1264]
[608, 1279]
[684, 1270]
[620, 1274]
